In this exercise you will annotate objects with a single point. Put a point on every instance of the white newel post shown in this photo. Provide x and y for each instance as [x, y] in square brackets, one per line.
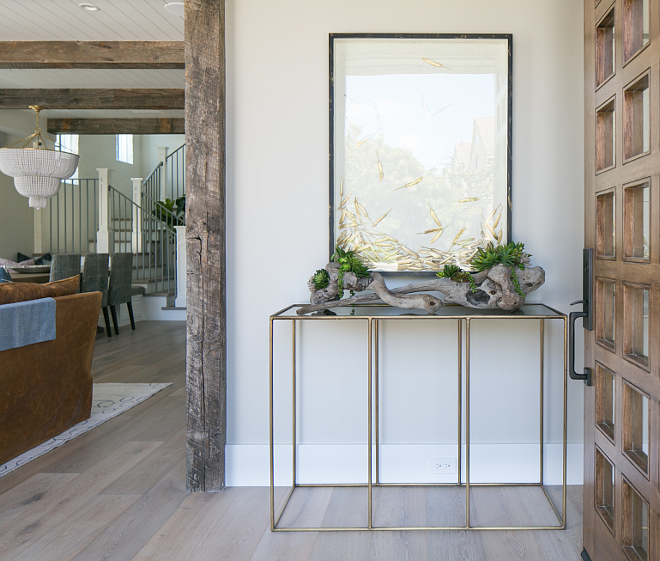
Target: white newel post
[103, 235]
[162, 157]
[38, 240]
[136, 234]
[180, 301]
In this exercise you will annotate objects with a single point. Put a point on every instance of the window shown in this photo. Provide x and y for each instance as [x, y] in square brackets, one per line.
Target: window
[68, 143]
[125, 148]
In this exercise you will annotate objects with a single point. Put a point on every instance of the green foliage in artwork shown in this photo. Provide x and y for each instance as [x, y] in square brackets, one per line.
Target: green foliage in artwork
[455, 273]
[348, 262]
[511, 255]
[321, 279]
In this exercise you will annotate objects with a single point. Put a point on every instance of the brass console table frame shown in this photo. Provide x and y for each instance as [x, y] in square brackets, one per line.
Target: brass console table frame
[460, 314]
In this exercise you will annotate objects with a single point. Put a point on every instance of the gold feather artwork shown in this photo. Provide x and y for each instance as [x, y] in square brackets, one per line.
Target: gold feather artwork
[363, 210]
[490, 216]
[414, 182]
[438, 231]
[357, 208]
[356, 232]
[378, 220]
[381, 174]
[361, 142]
[467, 200]
[458, 236]
[488, 231]
[434, 63]
[435, 218]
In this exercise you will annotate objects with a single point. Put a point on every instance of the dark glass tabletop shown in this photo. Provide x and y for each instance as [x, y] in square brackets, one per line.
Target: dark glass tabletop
[364, 311]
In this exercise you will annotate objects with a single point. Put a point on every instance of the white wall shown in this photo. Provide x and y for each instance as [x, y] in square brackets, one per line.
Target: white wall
[99, 151]
[16, 217]
[277, 161]
[16, 222]
[151, 142]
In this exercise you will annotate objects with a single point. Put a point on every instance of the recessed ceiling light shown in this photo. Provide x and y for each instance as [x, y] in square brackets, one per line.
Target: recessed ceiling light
[175, 8]
[89, 7]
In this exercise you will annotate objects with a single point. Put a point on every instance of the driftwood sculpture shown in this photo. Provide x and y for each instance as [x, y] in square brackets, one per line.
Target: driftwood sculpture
[493, 289]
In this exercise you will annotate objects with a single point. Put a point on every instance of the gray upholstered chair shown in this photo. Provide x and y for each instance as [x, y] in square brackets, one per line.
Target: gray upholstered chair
[64, 266]
[121, 275]
[95, 279]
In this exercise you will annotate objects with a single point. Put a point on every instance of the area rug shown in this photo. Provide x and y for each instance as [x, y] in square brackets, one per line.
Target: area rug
[108, 401]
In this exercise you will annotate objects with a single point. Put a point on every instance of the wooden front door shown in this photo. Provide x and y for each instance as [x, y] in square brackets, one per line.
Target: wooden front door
[622, 203]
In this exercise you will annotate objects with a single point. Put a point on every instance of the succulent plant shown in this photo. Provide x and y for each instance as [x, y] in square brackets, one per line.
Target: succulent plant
[321, 279]
[348, 262]
[453, 272]
[511, 255]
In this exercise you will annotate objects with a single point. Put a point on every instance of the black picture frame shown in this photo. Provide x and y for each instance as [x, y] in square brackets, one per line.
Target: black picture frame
[333, 37]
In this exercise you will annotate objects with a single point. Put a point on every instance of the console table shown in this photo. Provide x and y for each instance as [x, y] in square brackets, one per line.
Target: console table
[372, 316]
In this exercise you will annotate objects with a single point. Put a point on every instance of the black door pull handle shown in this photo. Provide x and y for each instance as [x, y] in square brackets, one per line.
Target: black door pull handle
[586, 314]
[586, 376]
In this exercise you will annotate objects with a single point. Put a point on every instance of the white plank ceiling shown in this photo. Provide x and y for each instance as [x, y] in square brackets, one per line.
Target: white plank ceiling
[116, 20]
[86, 78]
[64, 20]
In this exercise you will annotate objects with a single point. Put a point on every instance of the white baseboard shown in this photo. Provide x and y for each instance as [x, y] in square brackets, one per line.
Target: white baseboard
[146, 308]
[248, 465]
[153, 310]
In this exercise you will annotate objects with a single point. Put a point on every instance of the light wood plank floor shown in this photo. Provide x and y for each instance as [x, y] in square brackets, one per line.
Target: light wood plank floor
[118, 492]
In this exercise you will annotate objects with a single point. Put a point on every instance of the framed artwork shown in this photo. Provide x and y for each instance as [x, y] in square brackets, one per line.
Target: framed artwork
[420, 147]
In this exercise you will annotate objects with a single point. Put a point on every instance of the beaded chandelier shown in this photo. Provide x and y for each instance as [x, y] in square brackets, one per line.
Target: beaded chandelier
[37, 170]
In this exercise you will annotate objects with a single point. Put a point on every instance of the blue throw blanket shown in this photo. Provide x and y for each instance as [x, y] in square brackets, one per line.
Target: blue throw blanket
[27, 323]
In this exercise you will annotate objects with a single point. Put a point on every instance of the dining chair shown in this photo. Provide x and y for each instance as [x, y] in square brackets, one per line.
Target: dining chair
[119, 292]
[4, 275]
[64, 266]
[95, 279]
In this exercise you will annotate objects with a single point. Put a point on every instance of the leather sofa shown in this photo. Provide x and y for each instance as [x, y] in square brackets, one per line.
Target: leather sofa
[46, 388]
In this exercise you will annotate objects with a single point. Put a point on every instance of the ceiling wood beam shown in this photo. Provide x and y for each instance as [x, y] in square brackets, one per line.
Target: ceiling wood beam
[116, 126]
[91, 54]
[206, 264]
[157, 99]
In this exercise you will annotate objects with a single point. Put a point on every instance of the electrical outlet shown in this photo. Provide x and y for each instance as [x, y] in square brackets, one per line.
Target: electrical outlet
[442, 465]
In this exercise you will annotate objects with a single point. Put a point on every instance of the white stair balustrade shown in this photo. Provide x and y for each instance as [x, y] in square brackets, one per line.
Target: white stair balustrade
[136, 234]
[180, 301]
[103, 235]
[162, 157]
[38, 234]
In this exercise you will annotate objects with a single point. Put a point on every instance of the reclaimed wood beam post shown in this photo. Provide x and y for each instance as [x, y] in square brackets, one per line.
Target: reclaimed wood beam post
[163, 125]
[91, 54]
[93, 98]
[206, 356]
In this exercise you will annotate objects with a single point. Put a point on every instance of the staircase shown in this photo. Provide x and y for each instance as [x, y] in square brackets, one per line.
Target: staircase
[89, 215]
